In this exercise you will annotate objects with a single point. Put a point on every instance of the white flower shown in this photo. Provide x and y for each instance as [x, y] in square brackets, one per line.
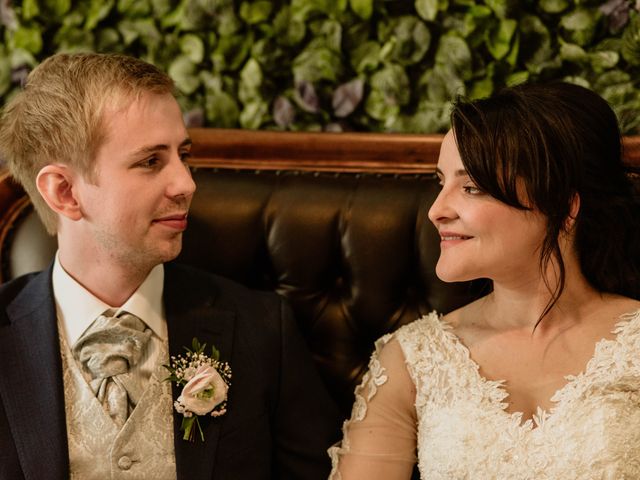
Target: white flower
[203, 392]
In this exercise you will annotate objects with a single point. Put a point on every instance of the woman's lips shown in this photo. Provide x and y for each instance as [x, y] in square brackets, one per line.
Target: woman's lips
[448, 239]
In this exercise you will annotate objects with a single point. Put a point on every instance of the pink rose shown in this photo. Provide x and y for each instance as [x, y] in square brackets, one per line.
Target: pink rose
[203, 392]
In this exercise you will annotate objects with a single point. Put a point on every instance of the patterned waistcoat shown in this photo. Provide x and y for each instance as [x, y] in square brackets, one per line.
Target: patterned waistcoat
[142, 449]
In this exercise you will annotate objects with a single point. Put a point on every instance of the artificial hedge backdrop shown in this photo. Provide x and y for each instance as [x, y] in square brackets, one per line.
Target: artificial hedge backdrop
[365, 65]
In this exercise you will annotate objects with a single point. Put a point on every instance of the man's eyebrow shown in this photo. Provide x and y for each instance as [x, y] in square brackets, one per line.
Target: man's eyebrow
[458, 173]
[159, 147]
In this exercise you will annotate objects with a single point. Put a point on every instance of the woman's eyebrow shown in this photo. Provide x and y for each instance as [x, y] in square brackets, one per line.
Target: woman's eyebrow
[458, 173]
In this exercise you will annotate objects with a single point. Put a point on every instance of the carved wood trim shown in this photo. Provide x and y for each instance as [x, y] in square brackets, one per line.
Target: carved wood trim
[345, 152]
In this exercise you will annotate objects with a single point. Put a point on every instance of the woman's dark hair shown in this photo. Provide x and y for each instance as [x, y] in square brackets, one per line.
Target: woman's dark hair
[555, 141]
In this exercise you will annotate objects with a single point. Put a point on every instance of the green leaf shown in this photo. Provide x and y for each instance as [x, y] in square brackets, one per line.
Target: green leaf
[482, 88]
[19, 58]
[535, 48]
[272, 58]
[184, 73]
[73, 39]
[379, 107]
[98, 10]
[441, 84]
[161, 8]
[222, 110]
[365, 57]
[454, 52]
[5, 71]
[254, 114]
[517, 78]
[500, 7]
[231, 52]
[227, 22]
[288, 30]
[362, 8]
[255, 12]
[389, 91]
[476, 17]
[57, 8]
[30, 9]
[145, 29]
[193, 47]
[427, 9]
[631, 41]
[603, 60]
[327, 33]
[499, 40]
[572, 52]
[407, 40]
[250, 82]
[553, 6]
[317, 63]
[512, 57]
[215, 353]
[27, 38]
[580, 25]
[108, 39]
[303, 9]
[134, 8]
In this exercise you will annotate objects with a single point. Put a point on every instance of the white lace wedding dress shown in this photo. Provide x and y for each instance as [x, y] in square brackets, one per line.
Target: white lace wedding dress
[459, 428]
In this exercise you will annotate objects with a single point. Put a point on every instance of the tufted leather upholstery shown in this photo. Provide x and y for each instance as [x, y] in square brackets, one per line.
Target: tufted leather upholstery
[351, 249]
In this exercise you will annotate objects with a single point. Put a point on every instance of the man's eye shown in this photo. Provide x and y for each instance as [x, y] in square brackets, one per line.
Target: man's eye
[185, 156]
[149, 162]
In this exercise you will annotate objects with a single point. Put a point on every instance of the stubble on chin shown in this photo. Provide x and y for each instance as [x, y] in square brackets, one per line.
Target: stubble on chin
[139, 259]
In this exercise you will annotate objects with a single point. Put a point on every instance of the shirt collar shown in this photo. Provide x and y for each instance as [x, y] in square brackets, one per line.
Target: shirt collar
[77, 308]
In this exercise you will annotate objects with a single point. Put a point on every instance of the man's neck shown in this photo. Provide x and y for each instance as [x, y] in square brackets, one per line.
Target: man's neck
[108, 281]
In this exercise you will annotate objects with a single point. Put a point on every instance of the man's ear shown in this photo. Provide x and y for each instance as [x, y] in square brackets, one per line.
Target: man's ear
[55, 184]
[573, 212]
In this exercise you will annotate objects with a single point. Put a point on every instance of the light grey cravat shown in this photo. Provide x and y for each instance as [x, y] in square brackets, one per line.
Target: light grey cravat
[107, 350]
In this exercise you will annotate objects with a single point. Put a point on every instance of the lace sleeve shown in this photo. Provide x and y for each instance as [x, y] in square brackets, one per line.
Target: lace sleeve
[379, 441]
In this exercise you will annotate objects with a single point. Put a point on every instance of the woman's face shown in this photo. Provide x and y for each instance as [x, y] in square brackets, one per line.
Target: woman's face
[481, 237]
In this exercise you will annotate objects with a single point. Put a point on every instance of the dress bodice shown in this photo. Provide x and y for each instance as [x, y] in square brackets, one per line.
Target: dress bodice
[464, 431]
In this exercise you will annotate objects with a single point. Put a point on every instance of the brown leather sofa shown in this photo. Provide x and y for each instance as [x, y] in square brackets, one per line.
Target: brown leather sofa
[336, 223]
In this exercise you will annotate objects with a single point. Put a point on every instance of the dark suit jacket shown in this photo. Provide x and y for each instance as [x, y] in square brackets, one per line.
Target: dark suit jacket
[279, 420]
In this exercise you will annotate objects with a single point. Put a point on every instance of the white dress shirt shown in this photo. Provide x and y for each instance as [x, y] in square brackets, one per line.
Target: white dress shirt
[77, 308]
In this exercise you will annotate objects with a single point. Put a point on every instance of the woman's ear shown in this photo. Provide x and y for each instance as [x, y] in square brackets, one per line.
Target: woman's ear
[574, 208]
[55, 184]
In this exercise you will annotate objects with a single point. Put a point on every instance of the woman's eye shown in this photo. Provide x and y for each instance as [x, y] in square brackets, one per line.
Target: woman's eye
[472, 190]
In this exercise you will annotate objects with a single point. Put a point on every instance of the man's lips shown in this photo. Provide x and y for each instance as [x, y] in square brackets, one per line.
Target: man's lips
[176, 221]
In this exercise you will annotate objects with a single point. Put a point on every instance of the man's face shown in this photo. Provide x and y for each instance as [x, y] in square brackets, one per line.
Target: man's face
[135, 209]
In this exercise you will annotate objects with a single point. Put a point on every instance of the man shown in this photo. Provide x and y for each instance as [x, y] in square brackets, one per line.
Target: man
[99, 144]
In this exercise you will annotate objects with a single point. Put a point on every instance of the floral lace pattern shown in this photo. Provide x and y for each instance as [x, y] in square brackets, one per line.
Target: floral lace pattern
[592, 432]
[374, 378]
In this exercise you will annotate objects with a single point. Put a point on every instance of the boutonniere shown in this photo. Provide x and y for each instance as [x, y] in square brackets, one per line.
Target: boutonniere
[205, 382]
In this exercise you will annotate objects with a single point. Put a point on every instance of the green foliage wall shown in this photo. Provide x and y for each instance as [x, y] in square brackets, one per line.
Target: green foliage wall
[368, 65]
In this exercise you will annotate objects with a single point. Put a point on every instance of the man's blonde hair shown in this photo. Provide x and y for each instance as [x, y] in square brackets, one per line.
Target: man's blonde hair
[59, 115]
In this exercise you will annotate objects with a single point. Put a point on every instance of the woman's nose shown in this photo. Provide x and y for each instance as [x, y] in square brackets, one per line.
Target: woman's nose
[442, 208]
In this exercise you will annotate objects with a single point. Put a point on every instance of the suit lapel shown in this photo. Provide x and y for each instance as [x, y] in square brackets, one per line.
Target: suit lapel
[192, 310]
[31, 385]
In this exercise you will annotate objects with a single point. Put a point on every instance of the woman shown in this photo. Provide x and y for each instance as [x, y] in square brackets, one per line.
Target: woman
[541, 377]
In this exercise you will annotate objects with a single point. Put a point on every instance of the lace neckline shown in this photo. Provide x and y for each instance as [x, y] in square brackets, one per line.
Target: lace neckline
[496, 390]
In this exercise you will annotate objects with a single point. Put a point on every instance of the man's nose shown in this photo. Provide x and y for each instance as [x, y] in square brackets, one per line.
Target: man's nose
[181, 180]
